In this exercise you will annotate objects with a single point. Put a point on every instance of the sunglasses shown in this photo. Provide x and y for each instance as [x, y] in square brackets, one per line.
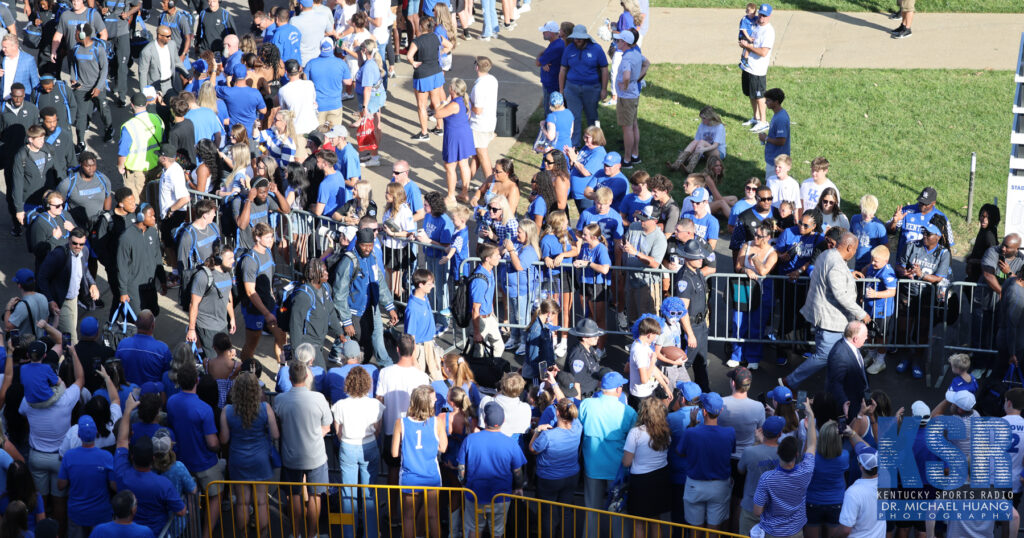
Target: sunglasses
[398, 172]
[828, 202]
[494, 209]
[765, 198]
[74, 244]
[762, 236]
[60, 204]
[164, 35]
[750, 188]
[806, 226]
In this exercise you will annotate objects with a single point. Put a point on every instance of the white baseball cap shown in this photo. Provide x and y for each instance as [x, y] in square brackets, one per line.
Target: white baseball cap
[550, 26]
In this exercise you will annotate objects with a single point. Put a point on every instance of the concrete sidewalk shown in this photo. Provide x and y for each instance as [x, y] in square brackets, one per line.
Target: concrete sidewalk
[808, 39]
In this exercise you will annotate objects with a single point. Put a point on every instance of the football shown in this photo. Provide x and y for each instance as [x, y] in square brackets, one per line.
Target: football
[673, 353]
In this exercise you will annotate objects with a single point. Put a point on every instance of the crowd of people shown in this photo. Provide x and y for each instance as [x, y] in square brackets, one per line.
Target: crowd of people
[238, 167]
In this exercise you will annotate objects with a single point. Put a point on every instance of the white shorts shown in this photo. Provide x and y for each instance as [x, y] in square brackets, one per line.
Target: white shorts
[482, 139]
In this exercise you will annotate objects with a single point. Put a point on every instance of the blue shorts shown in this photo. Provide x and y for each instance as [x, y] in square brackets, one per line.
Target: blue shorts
[254, 321]
[413, 8]
[305, 476]
[432, 82]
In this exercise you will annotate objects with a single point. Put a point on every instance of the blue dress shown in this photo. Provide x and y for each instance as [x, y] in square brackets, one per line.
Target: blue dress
[249, 456]
[458, 136]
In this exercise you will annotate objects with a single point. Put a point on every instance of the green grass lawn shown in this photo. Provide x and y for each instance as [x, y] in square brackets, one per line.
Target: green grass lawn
[886, 132]
[926, 6]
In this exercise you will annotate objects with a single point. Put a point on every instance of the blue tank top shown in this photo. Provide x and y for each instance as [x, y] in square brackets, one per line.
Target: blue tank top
[419, 454]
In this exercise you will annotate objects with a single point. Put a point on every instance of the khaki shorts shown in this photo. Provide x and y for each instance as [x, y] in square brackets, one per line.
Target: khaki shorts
[482, 139]
[625, 111]
[213, 474]
[907, 6]
[336, 117]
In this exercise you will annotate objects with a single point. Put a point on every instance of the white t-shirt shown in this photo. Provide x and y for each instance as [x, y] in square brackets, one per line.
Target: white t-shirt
[403, 219]
[517, 414]
[164, 55]
[10, 66]
[172, 188]
[1016, 451]
[299, 96]
[358, 418]
[645, 459]
[786, 190]
[395, 386]
[763, 36]
[810, 191]
[381, 9]
[71, 439]
[485, 96]
[640, 356]
[860, 510]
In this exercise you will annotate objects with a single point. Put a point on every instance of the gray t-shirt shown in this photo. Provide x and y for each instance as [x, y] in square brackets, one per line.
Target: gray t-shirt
[36, 302]
[196, 245]
[990, 264]
[302, 414]
[116, 26]
[755, 461]
[257, 213]
[258, 269]
[746, 416]
[651, 244]
[213, 308]
[932, 262]
[313, 27]
[85, 197]
[69, 21]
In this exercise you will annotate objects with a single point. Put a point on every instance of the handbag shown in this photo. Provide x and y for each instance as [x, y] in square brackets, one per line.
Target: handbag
[365, 137]
[115, 330]
[618, 492]
[541, 144]
[744, 294]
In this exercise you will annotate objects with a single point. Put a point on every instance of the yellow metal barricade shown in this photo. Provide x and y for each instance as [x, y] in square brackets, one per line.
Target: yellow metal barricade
[335, 510]
[515, 515]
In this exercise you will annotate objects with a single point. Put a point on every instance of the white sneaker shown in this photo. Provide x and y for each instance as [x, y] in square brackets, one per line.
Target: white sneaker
[732, 363]
[561, 348]
[372, 161]
[521, 350]
[525, 8]
[512, 342]
[347, 96]
[753, 366]
[759, 127]
[751, 121]
[877, 366]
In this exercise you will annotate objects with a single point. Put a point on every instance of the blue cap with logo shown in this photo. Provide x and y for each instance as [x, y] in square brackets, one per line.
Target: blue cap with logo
[89, 326]
[765, 9]
[932, 229]
[711, 402]
[86, 429]
[781, 394]
[612, 381]
[612, 158]
[772, 426]
[700, 194]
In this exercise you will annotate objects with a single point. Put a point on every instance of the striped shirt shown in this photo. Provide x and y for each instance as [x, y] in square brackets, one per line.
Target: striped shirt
[279, 146]
[782, 493]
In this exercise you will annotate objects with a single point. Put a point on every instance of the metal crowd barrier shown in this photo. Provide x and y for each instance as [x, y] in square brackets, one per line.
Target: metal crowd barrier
[527, 516]
[187, 526]
[345, 510]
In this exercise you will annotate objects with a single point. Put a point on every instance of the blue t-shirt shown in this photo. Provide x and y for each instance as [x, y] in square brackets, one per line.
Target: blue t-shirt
[348, 165]
[678, 422]
[490, 458]
[287, 39]
[747, 25]
[334, 381]
[778, 128]
[558, 452]
[801, 247]
[610, 223]
[632, 203]
[146, 429]
[88, 471]
[914, 222]
[328, 73]
[869, 235]
[562, 119]
[482, 291]
[708, 451]
[192, 420]
[367, 76]
[538, 207]
[959, 384]
[550, 247]
[551, 59]
[438, 229]
[706, 227]
[332, 193]
[828, 483]
[593, 160]
[413, 196]
[144, 358]
[284, 383]
[38, 380]
[154, 494]
[114, 529]
[243, 104]
[617, 183]
[599, 255]
[880, 308]
[584, 65]
[205, 123]
[231, 61]
[122, 392]
[740, 206]
[419, 320]
[519, 283]
[606, 423]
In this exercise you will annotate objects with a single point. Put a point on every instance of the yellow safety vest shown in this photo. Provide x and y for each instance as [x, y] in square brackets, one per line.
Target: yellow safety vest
[146, 130]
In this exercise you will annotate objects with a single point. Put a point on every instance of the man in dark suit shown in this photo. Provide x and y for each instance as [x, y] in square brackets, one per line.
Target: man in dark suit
[847, 380]
[64, 276]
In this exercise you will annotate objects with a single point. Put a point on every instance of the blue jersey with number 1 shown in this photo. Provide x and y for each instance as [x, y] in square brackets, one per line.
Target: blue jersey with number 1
[419, 454]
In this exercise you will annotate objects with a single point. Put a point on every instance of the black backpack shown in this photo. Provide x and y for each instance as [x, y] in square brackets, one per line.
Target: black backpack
[238, 289]
[100, 235]
[185, 297]
[462, 306]
[285, 311]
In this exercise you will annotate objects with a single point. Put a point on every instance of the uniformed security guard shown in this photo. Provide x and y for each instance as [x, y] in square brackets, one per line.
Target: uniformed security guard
[582, 361]
[88, 64]
[312, 310]
[359, 293]
[116, 16]
[691, 287]
[137, 158]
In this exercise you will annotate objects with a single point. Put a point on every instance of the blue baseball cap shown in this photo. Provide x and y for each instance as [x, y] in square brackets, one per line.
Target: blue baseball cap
[494, 415]
[238, 71]
[781, 394]
[89, 326]
[867, 457]
[86, 429]
[306, 3]
[711, 402]
[612, 158]
[932, 229]
[612, 381]
[199, 66]
[772, 426]
[24, 276]
[556, 99]
[765, 9]
[327, 46]
[691, 391]
[700, 194]
[151, 387]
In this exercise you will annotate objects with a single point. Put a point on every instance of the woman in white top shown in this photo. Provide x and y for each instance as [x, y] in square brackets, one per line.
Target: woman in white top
[357, 420]
[831, 215]
[398, 229]
[104, 413]
[709, 140]
[756, 260]
[646, 456]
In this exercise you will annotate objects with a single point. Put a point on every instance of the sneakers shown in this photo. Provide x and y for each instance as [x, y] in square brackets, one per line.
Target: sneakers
[902, 34]
[465, 34]
[108, 135]
[918, 373]
[561, 347]
[751, 121]
[347, 96]
[420, 137]
[898, 29]
[521, 350]
[732, 363]
[609, 102]
[635, 160]
[372, 161]
[903, 365]
[436, 131]
[628, 164]
[895, 15]
[878, 366]
[512, 342]
[759, 127]
[525, 8]
[17, 230]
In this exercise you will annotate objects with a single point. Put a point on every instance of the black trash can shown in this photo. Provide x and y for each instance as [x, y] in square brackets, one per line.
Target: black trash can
[506, 116]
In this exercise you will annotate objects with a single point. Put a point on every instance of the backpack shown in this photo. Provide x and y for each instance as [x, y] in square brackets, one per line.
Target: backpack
[284, 312]
[333, 261]
[100, 234]
[193, 253]
[30, 217]
[462, 306]
[185, 291]
[238, 290]
[115, 331]
[226, 218]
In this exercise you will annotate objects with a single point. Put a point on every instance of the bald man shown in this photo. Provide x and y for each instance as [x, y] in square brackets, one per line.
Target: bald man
[144, 358]
[831, 305]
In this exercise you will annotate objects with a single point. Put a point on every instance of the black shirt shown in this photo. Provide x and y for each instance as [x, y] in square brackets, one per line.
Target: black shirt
[182, 135]
[690, 285]
[428, 52]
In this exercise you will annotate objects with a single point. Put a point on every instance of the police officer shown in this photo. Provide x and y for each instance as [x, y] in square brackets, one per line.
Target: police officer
[88, 63]
[582, 361]
[211, 310]
[359, 293]
[139, 262]
[258, 302]
[692, 289]
[312, 310]
[137, 150]
[59, 140]
[116, 17]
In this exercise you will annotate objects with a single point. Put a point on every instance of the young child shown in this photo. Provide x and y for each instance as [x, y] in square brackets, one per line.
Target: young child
[419, 322]
[42, 385]
[785, 188]
[673, 311]
[601, 214]
[747, 25]
[459, 250]
[869, 229]
[880, 304]
[813, 187]
[787, 216]
[644, 374]
[523, 281]
[639, 197]
[960, 365]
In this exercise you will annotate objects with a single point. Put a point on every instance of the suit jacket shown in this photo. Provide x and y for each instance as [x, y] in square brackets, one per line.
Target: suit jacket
[149, 64]
[846, 379]
[55, 274]
[26, 73]
[831, 294]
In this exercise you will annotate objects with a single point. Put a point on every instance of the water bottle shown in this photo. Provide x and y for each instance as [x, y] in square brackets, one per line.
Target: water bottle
[943, 288]
[286, 352]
